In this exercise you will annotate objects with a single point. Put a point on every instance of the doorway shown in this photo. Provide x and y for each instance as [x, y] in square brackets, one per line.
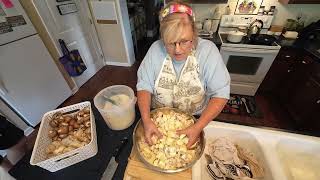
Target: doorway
[71, 21]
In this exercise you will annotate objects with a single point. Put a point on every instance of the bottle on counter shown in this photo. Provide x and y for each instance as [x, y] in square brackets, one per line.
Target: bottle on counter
[271, 11]
[261, 10]
[266, 11]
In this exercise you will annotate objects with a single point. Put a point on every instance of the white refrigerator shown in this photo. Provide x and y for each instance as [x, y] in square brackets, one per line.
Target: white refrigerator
[30, 82]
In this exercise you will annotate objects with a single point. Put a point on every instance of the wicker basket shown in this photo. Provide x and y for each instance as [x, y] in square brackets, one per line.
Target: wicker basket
[56, 163]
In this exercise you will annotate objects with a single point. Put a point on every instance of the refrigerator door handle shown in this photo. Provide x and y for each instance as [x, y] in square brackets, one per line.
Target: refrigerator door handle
[3, 89]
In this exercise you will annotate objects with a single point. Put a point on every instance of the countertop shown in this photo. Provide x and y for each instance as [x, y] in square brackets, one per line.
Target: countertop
[214, 38]
[295, 45]
[92, 168]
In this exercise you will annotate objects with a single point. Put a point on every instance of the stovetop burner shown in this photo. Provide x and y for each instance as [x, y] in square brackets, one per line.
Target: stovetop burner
[261, 39]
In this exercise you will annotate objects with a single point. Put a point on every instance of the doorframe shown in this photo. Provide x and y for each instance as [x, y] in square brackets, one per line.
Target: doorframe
[85, 17]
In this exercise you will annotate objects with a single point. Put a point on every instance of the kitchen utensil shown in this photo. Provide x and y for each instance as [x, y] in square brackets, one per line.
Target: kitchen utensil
[139, 132]
[251, 106]
[254, 28]
[245, 104]
[113, 163]
[235, 36]
[199, 25]
[207, 25]
[110, 100]
[217, 13]
[214, 25]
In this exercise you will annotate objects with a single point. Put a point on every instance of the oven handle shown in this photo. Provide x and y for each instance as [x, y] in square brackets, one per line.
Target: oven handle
[253, 51]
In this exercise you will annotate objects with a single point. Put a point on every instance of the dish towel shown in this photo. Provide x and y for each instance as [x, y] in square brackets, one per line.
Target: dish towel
[230, 161]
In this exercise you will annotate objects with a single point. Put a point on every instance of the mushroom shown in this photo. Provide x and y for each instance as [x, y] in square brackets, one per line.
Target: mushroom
[87, 124]
[53, 123]
[64, 124]
[86, 118]
[86, 110]
[62, 136]
[70, 128]
[67, 119]
[76, 125]
[52, 133]
[80, 120]
[63, 130]
[72, 122]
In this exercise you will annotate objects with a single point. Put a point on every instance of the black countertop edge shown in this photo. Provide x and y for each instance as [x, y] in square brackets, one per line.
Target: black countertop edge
[215, 39]
[300, 132]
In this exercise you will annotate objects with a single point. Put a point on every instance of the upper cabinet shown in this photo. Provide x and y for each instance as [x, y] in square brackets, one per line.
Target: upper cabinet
[299, 1]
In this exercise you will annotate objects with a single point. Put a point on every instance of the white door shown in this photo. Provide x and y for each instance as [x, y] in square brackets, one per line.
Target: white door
[76, 30]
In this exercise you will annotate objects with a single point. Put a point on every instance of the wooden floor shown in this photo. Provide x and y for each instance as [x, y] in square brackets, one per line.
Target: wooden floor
[274, 116]
[107, 76]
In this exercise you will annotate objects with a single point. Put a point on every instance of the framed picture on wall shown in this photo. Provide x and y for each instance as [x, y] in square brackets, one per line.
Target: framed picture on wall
[248, 6]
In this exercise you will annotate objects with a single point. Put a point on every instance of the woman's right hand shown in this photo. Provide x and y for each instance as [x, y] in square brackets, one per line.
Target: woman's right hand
[150, 129]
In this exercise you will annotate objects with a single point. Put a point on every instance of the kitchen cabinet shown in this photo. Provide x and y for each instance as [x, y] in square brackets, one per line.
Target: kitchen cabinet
[299, 1]
[280, 71]
[294, 80]
[304, 103]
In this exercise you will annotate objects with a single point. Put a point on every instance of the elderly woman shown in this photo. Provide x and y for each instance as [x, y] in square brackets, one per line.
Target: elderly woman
[183, 71]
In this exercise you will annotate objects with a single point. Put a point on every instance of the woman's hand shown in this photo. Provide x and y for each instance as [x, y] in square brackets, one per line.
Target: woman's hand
[192, 132]
[150, 129]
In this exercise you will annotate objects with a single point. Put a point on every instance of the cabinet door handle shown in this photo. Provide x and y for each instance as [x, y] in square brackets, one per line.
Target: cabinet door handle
[318, 101]
[287, 56]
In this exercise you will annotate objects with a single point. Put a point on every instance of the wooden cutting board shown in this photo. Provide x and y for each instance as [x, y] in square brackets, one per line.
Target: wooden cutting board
[137, 170]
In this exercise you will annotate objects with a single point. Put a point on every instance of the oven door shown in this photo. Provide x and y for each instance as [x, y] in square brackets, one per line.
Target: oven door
[248, 64]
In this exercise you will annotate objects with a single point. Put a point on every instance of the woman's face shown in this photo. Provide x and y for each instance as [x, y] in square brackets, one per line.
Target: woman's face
[181, 49]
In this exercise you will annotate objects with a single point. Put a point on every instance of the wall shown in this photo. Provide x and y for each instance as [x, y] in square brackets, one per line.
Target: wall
[39, 26]
[283, 12]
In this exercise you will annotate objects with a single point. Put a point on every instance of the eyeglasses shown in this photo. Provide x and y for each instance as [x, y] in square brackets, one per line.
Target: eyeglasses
[182, 44]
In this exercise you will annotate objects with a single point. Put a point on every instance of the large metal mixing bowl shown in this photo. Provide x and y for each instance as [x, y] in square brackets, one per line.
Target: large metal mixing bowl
[139, 133]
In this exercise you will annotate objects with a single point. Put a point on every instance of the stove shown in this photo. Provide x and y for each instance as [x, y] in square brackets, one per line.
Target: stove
[249, 60]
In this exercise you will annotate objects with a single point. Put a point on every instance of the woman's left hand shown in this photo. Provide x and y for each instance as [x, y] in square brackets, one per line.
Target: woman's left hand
[192, 132]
